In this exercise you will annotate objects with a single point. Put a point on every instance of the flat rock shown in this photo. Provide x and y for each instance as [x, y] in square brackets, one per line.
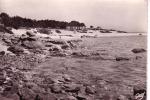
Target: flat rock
[33, 44]
[81, 97]
[80, 54]
[122, 58]
[72, 88]
[89, 90]
[138, 50]
[57, 41]
[16, 49]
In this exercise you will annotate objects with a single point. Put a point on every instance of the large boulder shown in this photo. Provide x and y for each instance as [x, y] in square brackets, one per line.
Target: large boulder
[74, 88]
[16, 49]
[15, 40]
[29, 33]
[7, 40]
[33, 44]
[45, 31]
[27, 37]
[5, 30]
[62, 43]
[139, 93]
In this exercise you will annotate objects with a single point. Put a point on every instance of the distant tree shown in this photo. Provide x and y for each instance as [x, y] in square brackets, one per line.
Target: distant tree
[5, 19]
[91, 27]
[4, 15]
[74, 23]
[18, 21]
[82, 24]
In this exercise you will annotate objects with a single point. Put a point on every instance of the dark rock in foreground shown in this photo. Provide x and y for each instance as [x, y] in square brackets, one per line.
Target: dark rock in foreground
[56, 89]
[16, 49]
[2, 52]
[30, 33]
[138, 50]
[89, 90]
[139, 93]
[121, 58]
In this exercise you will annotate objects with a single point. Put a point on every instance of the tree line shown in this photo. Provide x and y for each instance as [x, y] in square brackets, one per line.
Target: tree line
[17, 22]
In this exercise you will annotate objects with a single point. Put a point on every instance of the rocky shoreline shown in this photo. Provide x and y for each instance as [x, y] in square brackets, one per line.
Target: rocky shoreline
[23, 77]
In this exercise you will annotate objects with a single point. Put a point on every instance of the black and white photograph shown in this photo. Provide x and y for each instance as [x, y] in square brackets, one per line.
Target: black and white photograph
[73, 49]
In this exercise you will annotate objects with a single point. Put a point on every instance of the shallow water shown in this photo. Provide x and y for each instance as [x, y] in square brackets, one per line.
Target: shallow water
[126, 73]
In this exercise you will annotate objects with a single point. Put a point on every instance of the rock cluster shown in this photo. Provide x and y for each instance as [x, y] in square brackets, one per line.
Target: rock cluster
[15, 86]
[31, 43]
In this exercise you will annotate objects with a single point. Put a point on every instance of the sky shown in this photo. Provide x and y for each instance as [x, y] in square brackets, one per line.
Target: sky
[126, 15]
